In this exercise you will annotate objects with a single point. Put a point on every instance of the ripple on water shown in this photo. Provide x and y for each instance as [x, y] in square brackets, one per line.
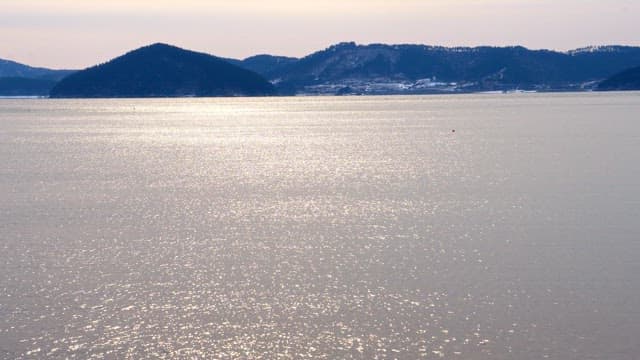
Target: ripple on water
[291, 228]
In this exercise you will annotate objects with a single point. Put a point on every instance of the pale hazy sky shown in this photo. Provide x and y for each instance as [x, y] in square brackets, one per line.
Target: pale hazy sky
[80, 33]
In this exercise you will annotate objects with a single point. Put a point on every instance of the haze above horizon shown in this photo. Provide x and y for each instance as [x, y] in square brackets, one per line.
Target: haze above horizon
[77, 34]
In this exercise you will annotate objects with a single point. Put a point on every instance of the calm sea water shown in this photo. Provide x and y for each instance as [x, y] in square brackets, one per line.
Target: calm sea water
[334, 228]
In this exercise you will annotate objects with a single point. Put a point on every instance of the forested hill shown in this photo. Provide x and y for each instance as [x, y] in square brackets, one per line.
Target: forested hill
[161, 70]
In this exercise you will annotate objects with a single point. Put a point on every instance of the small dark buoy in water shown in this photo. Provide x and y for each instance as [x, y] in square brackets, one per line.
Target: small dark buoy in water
[454, 130]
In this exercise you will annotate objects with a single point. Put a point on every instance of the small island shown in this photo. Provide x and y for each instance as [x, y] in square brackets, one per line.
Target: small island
[162, 70]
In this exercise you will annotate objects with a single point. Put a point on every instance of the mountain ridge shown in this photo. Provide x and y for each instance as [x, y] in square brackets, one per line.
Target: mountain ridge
[411, 68]
[350, 68]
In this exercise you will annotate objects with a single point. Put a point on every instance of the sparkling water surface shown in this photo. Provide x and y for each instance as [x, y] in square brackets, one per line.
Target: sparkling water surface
[321, 228]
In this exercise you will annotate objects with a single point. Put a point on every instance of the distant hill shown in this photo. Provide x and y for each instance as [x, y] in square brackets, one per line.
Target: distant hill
[10, 68]
[22, 80]
[19, 86]
[161, 70]
[625, 80]
[380, 68]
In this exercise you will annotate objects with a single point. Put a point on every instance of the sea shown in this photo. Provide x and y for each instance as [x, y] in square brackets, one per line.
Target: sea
[487, 226]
